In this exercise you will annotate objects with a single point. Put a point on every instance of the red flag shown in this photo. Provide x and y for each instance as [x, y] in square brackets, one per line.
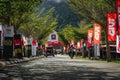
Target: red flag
[89, 37]
[118, 14]
[97, 33]
[17, 42]
[111, 23]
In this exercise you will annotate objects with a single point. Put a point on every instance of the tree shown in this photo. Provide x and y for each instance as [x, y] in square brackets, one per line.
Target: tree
[76, 33]
[95, 11]
[13, 12]
[68, 33]
[40, 24]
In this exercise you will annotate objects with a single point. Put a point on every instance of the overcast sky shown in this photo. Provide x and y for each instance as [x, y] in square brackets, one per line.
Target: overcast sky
[57, 1]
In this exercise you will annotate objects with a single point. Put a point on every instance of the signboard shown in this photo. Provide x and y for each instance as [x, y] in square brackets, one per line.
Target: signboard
[8, 42]
[96, 51]
[53, 37]
[17, 42]
[97, 33]
[90, 38]
[1, 28]
[29, 41]
[111, 24]
[34, 45]
[9, 31]
[1, 36]
[8, 47]
[118, 44]
[18, 46]
[34, 50]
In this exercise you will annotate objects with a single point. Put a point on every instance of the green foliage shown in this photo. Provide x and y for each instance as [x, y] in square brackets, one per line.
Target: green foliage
[14, 12]
[70, 32]
[64, 13]
[26, 16]
[40, 24]
[93, 10]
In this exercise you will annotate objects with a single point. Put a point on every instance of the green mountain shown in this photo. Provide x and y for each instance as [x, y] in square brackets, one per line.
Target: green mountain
[64, 13]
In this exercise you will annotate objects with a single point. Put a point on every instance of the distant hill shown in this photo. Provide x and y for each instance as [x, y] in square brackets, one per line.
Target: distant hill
[66, 15]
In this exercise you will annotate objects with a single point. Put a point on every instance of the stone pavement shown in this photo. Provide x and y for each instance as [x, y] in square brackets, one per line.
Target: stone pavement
[16, 60]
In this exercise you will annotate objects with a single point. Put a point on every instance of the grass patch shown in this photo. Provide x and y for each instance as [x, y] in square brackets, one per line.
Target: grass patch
[100, 60]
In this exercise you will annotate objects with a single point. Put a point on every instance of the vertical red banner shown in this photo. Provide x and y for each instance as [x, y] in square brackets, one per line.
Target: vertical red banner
[111, 24]
[118, 14]
[17, 42]
[89, 37]
[97, 33]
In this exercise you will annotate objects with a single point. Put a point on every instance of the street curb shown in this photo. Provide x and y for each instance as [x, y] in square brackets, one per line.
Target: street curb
[17, 61]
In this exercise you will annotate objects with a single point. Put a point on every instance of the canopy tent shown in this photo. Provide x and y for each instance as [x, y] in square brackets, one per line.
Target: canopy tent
[55, 44]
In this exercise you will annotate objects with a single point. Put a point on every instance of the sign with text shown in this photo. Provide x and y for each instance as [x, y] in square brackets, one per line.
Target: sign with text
[97, 33]
[8, 47]
[1, 36]
[96, 51]
[111, 26]
[118, 44]
[8, 31]
[89, 37]
[18, 46]
[53, 37]
[17, 42]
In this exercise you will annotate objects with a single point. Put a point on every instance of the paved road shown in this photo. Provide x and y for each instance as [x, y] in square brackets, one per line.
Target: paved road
[61, 68]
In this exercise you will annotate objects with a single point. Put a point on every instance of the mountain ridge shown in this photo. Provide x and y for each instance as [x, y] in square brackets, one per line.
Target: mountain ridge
[65, 14]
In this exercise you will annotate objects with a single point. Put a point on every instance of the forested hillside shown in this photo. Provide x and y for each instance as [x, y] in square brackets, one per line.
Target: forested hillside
[63, 12]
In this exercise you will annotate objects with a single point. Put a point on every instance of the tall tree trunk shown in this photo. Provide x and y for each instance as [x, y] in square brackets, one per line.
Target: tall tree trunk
[107, 46]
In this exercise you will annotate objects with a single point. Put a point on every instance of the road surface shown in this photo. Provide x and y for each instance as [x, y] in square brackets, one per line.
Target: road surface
[61, 67]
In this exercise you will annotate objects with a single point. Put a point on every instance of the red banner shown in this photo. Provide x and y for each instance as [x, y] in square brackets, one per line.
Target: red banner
[111, 23]
[118, 14]
[97, 33]
[89, 37]
[17, 42]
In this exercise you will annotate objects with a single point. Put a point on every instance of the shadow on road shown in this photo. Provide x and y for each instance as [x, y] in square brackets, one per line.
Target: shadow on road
[55, 73]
